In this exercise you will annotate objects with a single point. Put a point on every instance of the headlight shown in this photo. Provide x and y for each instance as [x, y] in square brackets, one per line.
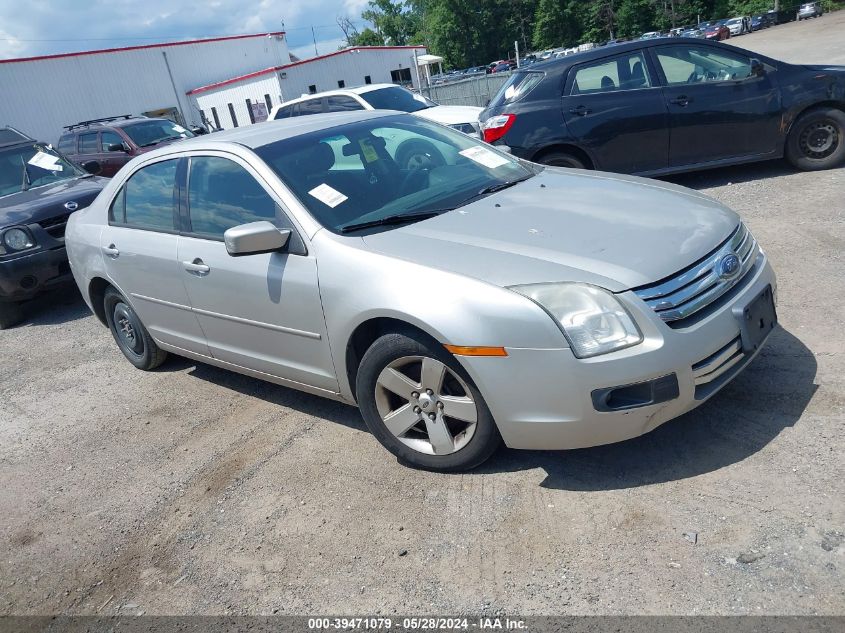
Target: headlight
[592, 319]
[17, 239]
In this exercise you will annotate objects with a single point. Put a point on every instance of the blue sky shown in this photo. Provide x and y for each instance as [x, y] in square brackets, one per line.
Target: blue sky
[44, 27]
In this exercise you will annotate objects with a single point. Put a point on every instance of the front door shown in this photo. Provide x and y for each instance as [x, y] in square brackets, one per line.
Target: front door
[262, 312]
[139, 248]
[719, 106]
[614, 110]
[111, 160]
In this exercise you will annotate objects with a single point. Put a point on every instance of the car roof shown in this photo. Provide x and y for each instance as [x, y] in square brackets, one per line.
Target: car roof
[356, 90]
[260, 134]
[9, 137]
[116, 122]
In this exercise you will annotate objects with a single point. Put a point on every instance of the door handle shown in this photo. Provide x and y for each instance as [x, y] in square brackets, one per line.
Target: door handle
[580, 110]
[682, 101]
[111, 251]
[197, 266]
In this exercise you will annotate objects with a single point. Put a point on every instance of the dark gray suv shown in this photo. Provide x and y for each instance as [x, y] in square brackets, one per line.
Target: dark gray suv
[39, 189]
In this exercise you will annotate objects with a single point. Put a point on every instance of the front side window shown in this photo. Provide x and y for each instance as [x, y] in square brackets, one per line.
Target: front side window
[147, 133]
[311, 106]
[32, 165]
[148, 199]
[109, 139]
[391, 166]
[88, 143]
[700, 64]
[222, 194]
[396, 98]
[625, 72]
[341, 103]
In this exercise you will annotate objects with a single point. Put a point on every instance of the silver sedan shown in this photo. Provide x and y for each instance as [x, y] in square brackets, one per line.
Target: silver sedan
[471, 299]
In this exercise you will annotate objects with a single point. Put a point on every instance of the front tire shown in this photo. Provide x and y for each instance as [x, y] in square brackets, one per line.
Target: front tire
[422, 406]
[129, 333]
[817, 140]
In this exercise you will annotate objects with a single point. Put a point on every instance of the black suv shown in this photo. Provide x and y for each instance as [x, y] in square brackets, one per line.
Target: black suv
[114, 141]
[39, 189]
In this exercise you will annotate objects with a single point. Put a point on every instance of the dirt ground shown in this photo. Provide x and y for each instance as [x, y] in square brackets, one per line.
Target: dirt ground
[191, 490]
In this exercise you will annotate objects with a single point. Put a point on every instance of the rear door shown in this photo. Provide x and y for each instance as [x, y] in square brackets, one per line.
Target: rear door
[139, 250]
[615, 110]
[262, 312]
[718, 107]
[89, 147]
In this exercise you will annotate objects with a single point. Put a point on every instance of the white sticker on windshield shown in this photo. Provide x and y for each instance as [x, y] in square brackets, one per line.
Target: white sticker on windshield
[327, 195]
[179, 128]
[45, 161]
[484, 156]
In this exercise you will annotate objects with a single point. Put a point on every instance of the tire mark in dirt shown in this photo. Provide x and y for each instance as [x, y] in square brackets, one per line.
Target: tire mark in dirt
[150, 555]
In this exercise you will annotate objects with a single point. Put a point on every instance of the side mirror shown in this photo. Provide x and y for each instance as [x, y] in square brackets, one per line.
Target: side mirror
[118, 147]
[255, 238]
[197, 130]
[92, 167]
[757, 68]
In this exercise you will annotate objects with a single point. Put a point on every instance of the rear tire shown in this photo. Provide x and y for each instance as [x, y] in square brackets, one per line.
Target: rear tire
[438, 418]
[129, 333]
[10, 314]
[562, 159]
[817, 140]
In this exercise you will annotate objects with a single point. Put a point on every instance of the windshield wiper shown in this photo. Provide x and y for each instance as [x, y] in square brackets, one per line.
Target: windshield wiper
[26, 182]
[501, 185]
[161, 140]
[398, 218]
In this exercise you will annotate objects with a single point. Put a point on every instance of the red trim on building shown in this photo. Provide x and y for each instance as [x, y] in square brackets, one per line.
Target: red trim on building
[273, 69]
[138, 48]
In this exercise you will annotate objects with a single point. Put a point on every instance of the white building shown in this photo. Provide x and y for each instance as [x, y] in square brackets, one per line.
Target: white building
[41, 95]
[248, 98]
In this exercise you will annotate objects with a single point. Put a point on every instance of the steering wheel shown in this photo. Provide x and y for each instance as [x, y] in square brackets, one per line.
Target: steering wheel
[414, 180]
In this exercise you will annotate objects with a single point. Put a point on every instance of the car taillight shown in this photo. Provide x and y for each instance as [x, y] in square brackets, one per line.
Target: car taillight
[497, 126]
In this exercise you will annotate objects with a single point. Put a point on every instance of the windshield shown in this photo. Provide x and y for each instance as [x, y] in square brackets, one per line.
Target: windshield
[380, 168]
[34, 165]
[152, 131]
[396, 99]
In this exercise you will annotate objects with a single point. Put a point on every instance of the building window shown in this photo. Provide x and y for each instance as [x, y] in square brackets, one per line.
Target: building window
[232, 114]
[401, 76]
[216, 118]
[269, 102]
[367, 80]
[312, 89]
[341, 83]
[249, 111]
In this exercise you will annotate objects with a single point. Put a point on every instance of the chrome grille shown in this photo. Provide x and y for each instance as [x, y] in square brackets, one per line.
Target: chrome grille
[55, 226]
[701, 284]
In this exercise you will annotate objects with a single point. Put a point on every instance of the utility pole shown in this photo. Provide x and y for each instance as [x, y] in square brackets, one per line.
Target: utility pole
[314, 37]
[516, 48]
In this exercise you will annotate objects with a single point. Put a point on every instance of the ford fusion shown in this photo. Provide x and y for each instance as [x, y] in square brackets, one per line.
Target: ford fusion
[477, 300]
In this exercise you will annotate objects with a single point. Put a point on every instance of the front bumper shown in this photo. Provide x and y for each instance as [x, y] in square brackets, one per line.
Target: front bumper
[25, 276]
[544, 398]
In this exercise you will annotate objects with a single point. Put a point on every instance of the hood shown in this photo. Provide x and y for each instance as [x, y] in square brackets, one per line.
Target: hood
[451, 115]
[825, 68]
[618, 232]
[42, 203]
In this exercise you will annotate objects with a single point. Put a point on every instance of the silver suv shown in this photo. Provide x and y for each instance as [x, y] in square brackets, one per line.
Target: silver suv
[810, 10]
[457, 304]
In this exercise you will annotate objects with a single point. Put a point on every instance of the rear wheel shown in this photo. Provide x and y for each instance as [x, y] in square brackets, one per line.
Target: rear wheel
[817, 140]
[422, 406]
[10, 314]
[562, 159]
[129, 333]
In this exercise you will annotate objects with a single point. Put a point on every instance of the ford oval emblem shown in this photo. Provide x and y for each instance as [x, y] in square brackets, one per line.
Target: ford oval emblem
[71, 206]
[728, 266]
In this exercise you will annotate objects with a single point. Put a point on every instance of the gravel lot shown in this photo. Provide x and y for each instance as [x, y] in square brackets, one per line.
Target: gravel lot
[193, 490]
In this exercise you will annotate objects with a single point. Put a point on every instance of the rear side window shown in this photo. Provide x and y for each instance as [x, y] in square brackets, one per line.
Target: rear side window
[222, 194]
[517, 86]
[341, 103]
[67, 144]
[312, 106]
[88, 143]
[284, 113]
[625, 72]
[148, 199]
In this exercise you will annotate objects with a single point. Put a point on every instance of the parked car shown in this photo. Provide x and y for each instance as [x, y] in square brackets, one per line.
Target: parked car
[503, 67]
[39, 189]
[783, 16]
[717, 31]
[810, 10]
[384, 97]
[663, 106]
[448, 304]
[650, 35]
[762, 21]
[696, 33]
[739, 25]
[114, 141]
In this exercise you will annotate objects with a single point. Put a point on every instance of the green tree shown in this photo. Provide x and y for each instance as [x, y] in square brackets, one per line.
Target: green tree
[367, 37]
[557, 23]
